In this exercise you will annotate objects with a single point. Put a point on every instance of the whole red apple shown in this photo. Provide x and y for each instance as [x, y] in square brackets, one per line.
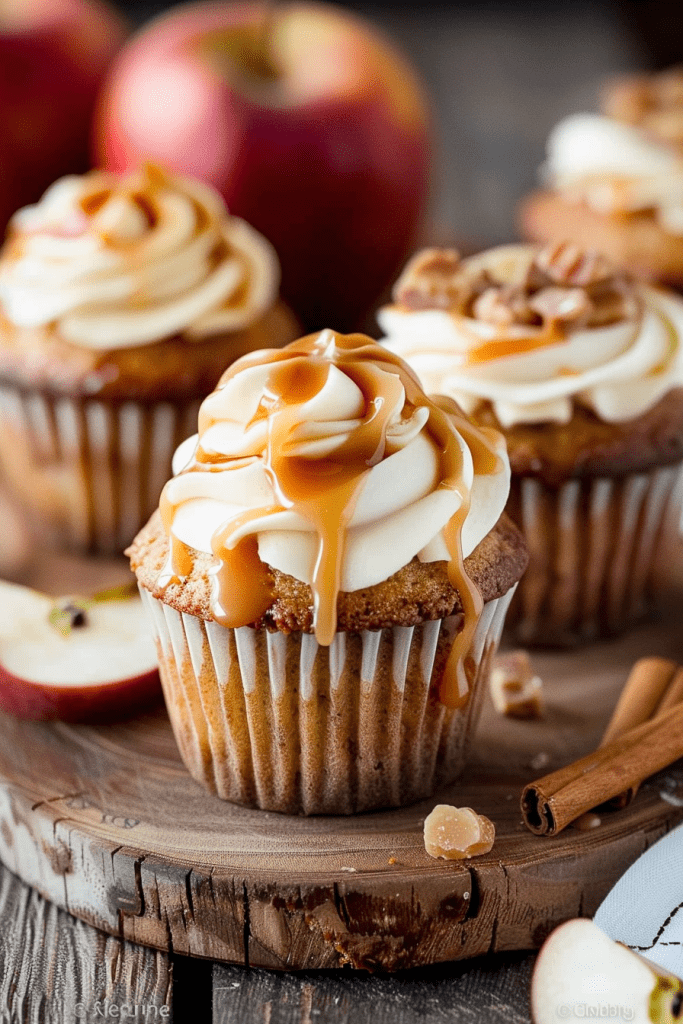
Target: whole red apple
[53, 55]
[307, 120]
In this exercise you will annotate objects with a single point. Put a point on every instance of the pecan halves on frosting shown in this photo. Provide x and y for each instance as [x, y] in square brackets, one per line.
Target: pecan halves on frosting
[609, 295]
[437, 279]
[562, 285]
[563, 263]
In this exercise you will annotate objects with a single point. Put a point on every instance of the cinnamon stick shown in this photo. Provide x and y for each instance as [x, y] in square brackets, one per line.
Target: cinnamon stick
[643, 691]
[553, 802]
[673, 694]
[647, 687]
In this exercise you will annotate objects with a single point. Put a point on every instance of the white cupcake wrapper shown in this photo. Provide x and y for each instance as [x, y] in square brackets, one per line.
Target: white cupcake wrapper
[275, 721]
[592, 545]
[88, 472]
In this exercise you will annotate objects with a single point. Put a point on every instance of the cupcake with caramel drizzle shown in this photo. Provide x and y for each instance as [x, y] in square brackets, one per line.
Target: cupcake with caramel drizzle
[581, 368]
[332, 552]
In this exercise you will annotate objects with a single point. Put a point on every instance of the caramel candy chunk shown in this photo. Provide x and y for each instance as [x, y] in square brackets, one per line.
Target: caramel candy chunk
[457, 833]
[516, 690]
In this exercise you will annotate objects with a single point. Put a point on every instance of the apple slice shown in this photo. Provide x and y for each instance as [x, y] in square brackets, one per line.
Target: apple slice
[74, 658]
[581, 973]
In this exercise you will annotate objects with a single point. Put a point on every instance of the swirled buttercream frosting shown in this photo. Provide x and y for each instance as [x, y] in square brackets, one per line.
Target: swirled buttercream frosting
[109, 262]
[326, 461]
[534, 331]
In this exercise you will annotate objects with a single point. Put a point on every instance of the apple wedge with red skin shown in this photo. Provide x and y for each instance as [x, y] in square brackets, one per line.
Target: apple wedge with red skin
[310, 123]
[103, 667]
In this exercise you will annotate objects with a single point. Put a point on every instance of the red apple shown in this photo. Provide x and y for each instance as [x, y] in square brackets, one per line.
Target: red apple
[74, 659]
[313, 127]
[53, 55]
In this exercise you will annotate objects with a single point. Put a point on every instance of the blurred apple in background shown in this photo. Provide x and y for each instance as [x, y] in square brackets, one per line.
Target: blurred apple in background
[53, 55]
[313, 127]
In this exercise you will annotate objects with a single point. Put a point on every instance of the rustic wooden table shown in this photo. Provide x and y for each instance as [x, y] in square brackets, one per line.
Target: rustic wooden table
[501, 77]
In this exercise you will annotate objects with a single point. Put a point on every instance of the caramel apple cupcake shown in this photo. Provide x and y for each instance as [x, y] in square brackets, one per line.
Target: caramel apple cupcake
[614, 181]
[122, 299]
[581, 368]
[328, 577]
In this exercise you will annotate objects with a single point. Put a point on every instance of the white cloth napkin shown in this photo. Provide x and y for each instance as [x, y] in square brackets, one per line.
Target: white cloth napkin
[644, 910]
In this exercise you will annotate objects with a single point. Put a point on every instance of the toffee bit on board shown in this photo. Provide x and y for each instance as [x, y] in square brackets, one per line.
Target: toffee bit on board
[516, 690]
[457, 833]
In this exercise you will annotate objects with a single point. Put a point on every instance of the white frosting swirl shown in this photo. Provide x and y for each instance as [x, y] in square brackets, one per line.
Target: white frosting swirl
[618, 371]
[615, 167]
[399, 512]
[112, 262]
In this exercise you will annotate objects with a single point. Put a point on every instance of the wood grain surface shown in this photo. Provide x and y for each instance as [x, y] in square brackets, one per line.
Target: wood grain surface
[471, 992]
[55, 969]
[106, 822]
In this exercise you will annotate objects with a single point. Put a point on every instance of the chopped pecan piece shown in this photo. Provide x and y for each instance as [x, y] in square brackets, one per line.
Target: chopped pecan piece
[503, 306]
[562, 305]
[566, 264]
[437, 279]
[431, 280]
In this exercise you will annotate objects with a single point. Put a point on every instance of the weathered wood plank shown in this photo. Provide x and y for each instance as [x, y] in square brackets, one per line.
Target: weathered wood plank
[495, 990]
[55, 969]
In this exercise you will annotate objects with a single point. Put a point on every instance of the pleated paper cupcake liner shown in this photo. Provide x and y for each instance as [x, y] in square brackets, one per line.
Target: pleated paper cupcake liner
[593, 545]
[87, 472]
[275, 721]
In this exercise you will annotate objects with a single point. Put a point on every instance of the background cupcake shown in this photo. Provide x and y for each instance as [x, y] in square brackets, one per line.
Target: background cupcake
[121, 301]
[321, 641]
[582, 370]
[615, 180]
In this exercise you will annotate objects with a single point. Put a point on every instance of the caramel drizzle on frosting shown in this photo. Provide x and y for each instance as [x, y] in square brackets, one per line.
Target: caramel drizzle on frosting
[502, 344]
[324, 490]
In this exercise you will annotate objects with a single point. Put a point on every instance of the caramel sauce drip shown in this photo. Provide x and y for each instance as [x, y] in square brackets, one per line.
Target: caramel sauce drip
[242, 587]
[498, 348]
[180, 560]
[324, 490]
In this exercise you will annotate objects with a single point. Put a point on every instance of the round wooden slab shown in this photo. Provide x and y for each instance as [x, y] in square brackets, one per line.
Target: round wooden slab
[106, 822]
